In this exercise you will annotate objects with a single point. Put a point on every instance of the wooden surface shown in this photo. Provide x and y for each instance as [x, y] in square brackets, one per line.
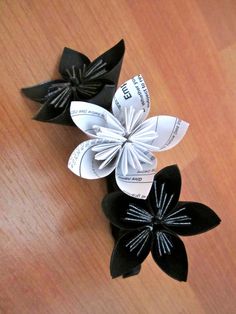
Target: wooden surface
[55, 244]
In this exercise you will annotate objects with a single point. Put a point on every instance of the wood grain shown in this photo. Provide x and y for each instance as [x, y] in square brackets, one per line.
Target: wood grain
[54, 240]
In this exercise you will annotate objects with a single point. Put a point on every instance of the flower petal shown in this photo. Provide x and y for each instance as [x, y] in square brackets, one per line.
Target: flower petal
[169, 253]
[116, 205]
[170, 131]
[145, 134]
[113, 58]
[40, 91]
[104, 97]
[86, 116]
[71, 58]
[133, 93]
[165, 190]
[130, 251]
[82, 161]
[136, 183]
[190, 218]
[48, 113]
[117, 233]
[133, 272]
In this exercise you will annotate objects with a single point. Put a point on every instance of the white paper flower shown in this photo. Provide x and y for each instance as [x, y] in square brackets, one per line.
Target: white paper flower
[123, 141]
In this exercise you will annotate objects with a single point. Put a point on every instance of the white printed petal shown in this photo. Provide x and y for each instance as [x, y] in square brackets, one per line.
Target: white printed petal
[146, 133]
[82, 161]
[114, 156]
[104, 146]
[113, 123]
[131, 118]
[128, 116]
[124, 161]
[137, 119]
[134, 156]
[146, 147]
[142, 136]
[146, 126]
[109, 134]
[130, 160]
[85, 115]
[137, 183]
[107, 152]
[133, 93]
[143, 156]
[170, 130]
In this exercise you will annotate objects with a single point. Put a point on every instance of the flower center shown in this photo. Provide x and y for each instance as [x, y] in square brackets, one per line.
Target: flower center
[81, 83]
[86, 80]
[156, 220]
[157, 223]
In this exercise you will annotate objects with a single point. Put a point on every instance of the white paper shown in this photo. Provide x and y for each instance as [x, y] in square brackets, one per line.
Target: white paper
[83, 163]
[137, 183]
[170, 130]
[133, 93]
[123, 140]
[86, 116]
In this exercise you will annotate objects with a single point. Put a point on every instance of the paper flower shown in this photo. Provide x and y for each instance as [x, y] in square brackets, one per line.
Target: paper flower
[154, 225]
[81, 80]
[123, 141]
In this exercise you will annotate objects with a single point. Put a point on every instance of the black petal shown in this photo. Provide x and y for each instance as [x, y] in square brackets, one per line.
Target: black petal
[165, 190]
[40, 91]
[117, 233]
[173, 262]
[115, 206]
[133, 272]
[111, 183]
[113, 57]
[104, 96]
[48, 113]
[201, 218]
[125, 257]
[71, 58]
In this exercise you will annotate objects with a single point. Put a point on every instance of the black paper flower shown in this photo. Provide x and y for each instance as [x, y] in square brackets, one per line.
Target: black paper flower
[93, 82]
[154, 225]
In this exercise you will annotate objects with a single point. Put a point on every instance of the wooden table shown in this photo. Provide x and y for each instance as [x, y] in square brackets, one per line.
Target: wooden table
[55, 243]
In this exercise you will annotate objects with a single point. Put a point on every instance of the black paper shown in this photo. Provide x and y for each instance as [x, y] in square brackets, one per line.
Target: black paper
[116, 231]
[82, 80]
[153, 225]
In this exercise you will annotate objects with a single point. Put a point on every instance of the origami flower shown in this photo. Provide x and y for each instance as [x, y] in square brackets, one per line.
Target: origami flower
[123, 141]
[81, 80]
[154, 225]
